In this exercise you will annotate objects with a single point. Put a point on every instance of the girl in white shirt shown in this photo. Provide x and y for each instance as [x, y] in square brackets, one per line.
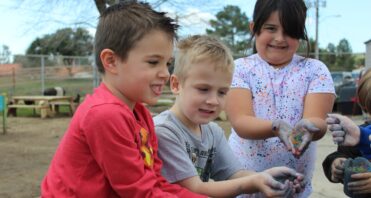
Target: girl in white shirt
[275, 92]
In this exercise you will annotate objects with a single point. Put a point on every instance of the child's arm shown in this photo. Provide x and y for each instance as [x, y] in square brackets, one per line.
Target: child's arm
[365, 142]
[240, 112]
[165, 185]
[346, 133]
[242, 173]
[333, 163]
[275, 172]
[179, 168]
[242, 117]
[316, 108]
[313, 126]
[262, 182]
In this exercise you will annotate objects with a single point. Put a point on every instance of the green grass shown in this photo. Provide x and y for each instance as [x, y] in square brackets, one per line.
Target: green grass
[21, 112]
[33, 87]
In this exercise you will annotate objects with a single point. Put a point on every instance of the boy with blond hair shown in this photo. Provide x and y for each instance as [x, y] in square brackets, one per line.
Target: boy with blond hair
[110, 148]
[193, 148]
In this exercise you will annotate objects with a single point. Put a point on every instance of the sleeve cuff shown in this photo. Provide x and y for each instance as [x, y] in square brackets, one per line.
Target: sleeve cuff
[364, 145]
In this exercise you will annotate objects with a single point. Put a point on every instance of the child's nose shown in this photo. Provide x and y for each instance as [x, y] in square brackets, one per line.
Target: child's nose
[213, 99]
[279, 37]
[164, 73]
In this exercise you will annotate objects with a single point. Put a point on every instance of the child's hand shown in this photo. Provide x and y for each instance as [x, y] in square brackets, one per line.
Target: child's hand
[267, 185]
[362, 185]
[344, 131]
[284, 174]
[306, 129]
[337, 170]
[283, 131]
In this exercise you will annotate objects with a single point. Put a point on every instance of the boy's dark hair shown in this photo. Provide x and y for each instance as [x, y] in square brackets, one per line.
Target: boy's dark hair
[292, 14]
[122, 25]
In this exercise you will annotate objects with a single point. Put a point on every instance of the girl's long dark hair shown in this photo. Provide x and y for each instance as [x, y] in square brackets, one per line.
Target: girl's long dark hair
[292, 14]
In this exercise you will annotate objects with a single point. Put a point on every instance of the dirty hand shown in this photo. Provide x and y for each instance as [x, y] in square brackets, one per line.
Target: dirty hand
[306, 130]
[337, 170]
[362, 185]
[283, 131]
[272, 188]
[283, 174]
[344, 131]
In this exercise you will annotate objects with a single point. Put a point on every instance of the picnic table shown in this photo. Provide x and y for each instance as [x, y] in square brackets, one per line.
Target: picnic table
[48, 105]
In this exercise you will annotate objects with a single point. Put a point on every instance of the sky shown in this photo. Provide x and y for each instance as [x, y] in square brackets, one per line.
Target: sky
[21, 23]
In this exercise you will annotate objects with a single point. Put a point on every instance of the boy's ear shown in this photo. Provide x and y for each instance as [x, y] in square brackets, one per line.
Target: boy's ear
[174, 84]
[108, 59]
[251, 26]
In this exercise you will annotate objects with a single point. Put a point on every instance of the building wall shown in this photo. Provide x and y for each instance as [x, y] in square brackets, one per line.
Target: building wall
[9, 69]
[368, 54]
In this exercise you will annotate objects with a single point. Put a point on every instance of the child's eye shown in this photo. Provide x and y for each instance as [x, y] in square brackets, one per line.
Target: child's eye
[168, 64]
[153, 62]
[222, 93]
[270, 28]
[203, 89]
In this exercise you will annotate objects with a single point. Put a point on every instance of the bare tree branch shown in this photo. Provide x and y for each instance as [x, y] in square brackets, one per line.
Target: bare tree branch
[101, 5]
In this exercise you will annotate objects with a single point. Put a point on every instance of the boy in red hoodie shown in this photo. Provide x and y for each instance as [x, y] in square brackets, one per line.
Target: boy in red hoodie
[110, 148]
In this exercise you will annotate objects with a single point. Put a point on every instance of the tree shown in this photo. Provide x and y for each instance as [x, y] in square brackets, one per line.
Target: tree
[344, 57]
[359, 60]
[305, 50]
[232, 26]
[103, 4]
[328, 56]
[4, 54]
[66, 42]
[84, 13]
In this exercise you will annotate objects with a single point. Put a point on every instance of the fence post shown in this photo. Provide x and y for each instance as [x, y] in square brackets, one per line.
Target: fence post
[13, 82]
[42, 75]
[3, 109]
[95, 75]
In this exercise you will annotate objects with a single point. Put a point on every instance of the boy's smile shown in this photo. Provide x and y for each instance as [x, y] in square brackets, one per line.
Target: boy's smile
[157, 88]
[142, 76]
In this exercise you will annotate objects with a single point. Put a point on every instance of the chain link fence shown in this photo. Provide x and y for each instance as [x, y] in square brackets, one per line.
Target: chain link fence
[32, 74]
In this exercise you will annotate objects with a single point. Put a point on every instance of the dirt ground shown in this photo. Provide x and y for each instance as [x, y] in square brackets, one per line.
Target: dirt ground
[27, 148]
[25, 154]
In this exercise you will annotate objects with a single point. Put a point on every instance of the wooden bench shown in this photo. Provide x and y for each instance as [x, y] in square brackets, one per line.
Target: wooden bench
[44, 109]
[55, 106]
[48, 105]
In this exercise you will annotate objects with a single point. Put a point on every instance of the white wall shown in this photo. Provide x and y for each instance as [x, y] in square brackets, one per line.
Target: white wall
[368, 54]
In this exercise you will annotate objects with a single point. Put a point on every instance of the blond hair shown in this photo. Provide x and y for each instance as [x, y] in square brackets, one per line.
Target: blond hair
[364, 91]
[198, 48]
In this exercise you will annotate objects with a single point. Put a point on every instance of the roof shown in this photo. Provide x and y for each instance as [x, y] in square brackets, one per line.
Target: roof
[369, 41]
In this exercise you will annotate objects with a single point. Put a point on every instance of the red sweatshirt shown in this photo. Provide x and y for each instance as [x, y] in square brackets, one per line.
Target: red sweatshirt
[108, 151]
